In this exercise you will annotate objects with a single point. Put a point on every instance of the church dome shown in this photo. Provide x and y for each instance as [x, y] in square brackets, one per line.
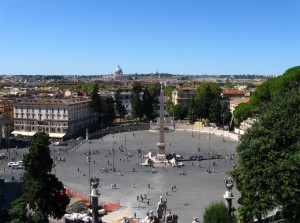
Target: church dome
[118, 71]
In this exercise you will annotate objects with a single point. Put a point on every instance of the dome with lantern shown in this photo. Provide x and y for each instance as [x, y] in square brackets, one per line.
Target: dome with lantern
[118, 71]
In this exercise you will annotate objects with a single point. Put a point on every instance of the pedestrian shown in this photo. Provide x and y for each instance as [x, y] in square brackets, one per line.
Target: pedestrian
[137, 197]
[149, 185]
[77, 169]
[167, 192]
[148, 202]
[172, 189]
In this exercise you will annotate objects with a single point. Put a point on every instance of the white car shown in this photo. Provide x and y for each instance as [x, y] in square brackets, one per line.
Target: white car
[19, 167]
[10, 164]
[20, 162]
[15, 165]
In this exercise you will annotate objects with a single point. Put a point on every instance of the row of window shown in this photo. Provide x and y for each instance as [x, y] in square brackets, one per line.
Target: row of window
[40, 116]
[77, 108]
[58, 130]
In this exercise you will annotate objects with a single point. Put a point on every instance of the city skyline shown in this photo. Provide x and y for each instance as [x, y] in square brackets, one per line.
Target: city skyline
[92, 37]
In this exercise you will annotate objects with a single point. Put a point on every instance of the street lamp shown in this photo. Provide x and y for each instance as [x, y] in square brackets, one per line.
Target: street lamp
[199, 136]
[209, 156]
[192, 123]
[223, 127]
[101, 126]
[125, 141]
[113, 151]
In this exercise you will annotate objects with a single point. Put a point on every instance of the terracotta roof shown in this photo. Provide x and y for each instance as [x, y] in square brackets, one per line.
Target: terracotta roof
[239, 100]
[233, 92]
[52, 101]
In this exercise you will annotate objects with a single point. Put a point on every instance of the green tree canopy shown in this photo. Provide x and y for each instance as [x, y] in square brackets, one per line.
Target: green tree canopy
[180, 111]
[95, 99]
[268, 168]
[266, 92]
[206, 93]
[148, 103]
[217, 213]
[41, 190]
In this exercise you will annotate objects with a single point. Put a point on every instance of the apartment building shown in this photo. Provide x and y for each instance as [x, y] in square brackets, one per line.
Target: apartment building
[57, 117]
[183, 96]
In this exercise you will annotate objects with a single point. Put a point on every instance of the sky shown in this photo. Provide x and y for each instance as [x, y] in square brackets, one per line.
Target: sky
[91, 37]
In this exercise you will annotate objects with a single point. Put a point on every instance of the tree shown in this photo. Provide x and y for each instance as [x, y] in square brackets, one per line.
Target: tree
[205, 94]
[225, 113]
[110, 112]
[121, 110]
[180, 111]
[96, 100]
[215, 111]
[217, 213]
[266, 92]
[148, 105]
[267, 173]
[42, 190]
[192, 111]
[136, 102]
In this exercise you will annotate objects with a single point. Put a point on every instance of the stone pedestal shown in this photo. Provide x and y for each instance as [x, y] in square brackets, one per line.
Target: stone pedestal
[161, 149]
[228, 197]
[94, 198]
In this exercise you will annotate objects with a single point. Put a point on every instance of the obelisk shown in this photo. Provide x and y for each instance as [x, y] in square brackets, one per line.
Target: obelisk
[161, 144]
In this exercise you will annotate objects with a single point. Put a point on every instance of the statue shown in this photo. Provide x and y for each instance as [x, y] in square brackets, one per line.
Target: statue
[196, 220]
[229, 183]
[169, 218]
[94, 182]
[161, 208]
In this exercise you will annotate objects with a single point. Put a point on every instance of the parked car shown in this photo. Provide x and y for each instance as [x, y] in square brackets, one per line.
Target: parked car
[20, 162]
[15, 165]
[10, 164]
[19, 166]
[80, 138]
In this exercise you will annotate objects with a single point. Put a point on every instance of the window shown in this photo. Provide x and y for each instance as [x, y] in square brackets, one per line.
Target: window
[32, 115]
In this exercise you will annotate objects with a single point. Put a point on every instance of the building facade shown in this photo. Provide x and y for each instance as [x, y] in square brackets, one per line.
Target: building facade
[183, 96]
[57, 117]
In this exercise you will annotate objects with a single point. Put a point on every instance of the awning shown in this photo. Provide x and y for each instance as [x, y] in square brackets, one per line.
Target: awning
[23, 133]
[56, 135]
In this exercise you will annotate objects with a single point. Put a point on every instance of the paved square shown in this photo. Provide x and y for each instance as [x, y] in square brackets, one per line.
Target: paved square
[194, 191]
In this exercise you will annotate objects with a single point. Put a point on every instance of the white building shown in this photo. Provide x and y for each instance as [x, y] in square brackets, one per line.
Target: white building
[57, 117]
